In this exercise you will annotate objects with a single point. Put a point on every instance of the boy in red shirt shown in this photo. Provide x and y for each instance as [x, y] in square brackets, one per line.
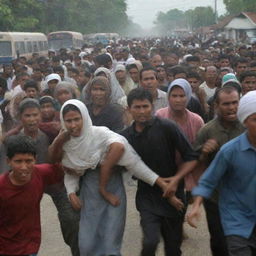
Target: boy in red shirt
[21, 190]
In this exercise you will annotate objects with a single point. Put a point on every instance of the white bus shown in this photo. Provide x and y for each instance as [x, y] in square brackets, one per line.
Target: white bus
[65, 39]
[15, 44]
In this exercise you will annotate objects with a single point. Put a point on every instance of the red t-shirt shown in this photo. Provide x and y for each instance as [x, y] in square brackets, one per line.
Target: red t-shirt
[20, 228]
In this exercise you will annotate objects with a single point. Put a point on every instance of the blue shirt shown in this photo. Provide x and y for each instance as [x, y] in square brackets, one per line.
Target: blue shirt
[233, 170]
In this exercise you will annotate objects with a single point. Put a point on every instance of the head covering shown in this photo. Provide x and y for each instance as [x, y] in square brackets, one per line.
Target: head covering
[87, 150]
[104, 70]
[52, 76]
[100, 80]
[247, 106]
[64, 86]
[184, 84]
[230, 77]
[120, 67]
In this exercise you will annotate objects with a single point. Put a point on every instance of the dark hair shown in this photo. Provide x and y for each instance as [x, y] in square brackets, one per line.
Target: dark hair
[46, 99]
[246, 74]
[103, 59]
[147, 69]
[139, 94]
[28, 103]
[20, 144]
[131, 66]
[20, 75]
[3, 84]
[253, 64]
[193, 58]
[226, 89]
[233, 84]
[240, 60]
[58, 69]
[55, 59]
[194, 75]
[177, 70]
[224, 57]
[70, 107]
[74, 70]
[31, 84]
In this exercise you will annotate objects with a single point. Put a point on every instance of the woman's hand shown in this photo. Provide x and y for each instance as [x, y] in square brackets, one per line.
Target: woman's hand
[75, 201]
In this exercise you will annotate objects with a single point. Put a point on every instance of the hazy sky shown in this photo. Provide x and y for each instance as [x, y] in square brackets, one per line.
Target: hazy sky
[144, 12]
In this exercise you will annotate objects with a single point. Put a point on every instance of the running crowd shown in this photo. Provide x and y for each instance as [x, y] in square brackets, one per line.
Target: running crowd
[178, 117]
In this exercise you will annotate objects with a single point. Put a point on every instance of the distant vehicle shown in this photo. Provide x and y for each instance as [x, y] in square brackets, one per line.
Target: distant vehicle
[15, 44]
[65, 39]
[102, 38]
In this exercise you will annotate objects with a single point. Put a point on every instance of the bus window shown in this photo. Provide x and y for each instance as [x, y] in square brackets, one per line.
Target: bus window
[5, 48]
[29, 46]
[35, 47]
[45, 46]
[41, 46]
[22, 47]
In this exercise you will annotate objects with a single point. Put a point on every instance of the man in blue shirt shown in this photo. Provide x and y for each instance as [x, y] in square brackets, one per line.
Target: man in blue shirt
[233, 171]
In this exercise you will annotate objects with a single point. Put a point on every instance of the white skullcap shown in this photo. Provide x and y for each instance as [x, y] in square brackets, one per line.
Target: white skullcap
[247, 106]
[52, 76]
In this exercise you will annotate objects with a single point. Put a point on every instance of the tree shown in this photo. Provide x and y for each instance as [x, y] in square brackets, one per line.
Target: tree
[237, 6]
[200, 17]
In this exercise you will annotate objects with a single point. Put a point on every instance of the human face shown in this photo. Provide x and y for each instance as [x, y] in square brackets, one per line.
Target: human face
[227, 106]
[121, 76]
[211, 74]
[241, 67]
[141, 111]
[23, 80]
[248, 84]
[52, 84]
[98, 95]
[250, 124]
[177, 99]
[156, 60]
[22, 166]
[161, 73]
[63, 95]
[74, 123]
[148, 81]
[47, 111]
[134, 73]
[224, 63]
[30, 119]
[194, 82]
[31, 93]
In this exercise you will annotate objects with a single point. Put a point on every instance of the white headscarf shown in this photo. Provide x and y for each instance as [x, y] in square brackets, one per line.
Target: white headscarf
[247, 106]
[184, 84]
[87, 150]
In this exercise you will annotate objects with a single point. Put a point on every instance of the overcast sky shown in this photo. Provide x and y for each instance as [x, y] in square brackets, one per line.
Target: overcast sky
[144, 12]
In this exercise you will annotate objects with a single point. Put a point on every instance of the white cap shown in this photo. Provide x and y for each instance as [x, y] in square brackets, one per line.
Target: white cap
[52, 76]
[247, 106]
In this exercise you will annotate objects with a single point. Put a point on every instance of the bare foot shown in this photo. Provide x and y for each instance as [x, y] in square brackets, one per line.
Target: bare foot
[176, 203]
[111, 198]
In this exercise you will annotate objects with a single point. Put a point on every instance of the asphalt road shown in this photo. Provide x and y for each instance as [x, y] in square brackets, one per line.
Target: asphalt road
[197, 243]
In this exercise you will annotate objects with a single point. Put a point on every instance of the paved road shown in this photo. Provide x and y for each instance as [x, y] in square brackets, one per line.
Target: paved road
[197, 243]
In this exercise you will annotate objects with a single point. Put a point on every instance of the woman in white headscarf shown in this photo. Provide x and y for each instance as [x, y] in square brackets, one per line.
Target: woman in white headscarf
[94, 151]
[179, 94]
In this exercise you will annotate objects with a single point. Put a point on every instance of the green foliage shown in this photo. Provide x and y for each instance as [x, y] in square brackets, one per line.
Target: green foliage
[86, 16]
[237, 6]
[192, 19]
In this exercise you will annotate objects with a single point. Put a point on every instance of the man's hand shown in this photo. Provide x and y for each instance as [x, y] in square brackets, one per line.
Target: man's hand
[210, 146]
[75, 201]
[171, 187]
[193, 216]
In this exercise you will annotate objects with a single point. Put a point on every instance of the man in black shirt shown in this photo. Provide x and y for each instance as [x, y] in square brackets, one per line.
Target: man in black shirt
[156, 141]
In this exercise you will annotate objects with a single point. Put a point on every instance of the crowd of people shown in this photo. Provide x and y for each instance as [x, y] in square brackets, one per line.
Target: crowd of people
[166, 111]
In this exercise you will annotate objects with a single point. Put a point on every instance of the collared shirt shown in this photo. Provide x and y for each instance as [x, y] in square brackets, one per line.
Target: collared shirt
[156, 145]
[215, 130]
[234, 171]
[160, 101]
